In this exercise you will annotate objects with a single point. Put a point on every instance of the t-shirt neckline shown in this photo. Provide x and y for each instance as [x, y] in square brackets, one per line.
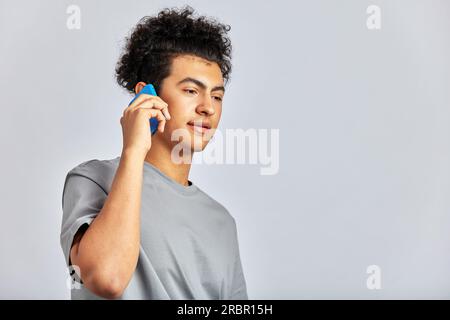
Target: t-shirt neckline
[175, 185]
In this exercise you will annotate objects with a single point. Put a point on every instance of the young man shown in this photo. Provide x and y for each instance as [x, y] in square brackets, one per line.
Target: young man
[135, 227]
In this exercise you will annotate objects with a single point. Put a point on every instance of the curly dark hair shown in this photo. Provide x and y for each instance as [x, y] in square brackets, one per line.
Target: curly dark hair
[156, 40]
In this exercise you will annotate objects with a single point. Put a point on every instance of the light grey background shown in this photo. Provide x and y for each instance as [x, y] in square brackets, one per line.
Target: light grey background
[364, 151]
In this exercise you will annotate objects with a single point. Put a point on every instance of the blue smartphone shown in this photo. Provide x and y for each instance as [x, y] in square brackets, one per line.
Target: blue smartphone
[149, 89]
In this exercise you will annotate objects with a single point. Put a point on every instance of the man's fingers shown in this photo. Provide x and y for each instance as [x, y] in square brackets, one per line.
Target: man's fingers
[166, 113]
[143, 97]
[136, 102]
[155, 113]
[155, 105]
[151, 102]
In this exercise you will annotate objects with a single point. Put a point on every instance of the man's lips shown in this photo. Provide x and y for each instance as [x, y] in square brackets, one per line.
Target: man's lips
[200, 127]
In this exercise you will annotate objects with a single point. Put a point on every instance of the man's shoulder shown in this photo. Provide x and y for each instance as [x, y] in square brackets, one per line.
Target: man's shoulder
[96, 164]
[99, 171]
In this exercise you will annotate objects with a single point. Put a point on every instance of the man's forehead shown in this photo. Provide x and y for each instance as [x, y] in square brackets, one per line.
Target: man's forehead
[196, 67]
[192, 58]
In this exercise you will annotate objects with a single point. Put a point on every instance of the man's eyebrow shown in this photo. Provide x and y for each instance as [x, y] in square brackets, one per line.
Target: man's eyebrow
[200, 84]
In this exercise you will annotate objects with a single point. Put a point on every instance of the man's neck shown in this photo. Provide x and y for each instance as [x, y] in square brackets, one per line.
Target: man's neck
[160, 156]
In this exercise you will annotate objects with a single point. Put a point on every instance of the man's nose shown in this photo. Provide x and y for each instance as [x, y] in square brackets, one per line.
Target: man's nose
[206, 107]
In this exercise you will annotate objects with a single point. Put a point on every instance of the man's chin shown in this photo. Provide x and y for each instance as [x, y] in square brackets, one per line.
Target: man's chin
[185, 142]
[183, 152]
[199, 142]
[200, 147]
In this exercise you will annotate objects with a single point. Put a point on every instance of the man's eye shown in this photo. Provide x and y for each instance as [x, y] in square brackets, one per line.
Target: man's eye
[218, 98]
[190, 91]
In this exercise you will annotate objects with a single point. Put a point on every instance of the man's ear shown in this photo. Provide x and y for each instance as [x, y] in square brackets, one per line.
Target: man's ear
[139, 87]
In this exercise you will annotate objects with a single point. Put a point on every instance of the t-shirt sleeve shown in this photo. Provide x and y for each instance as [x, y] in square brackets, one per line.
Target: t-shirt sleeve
[82, 200]
[239, 286]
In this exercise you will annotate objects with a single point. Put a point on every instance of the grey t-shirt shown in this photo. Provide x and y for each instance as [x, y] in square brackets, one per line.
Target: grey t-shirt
[189, 245]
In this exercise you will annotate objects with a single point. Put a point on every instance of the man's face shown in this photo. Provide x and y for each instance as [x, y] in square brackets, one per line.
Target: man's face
[194, 92]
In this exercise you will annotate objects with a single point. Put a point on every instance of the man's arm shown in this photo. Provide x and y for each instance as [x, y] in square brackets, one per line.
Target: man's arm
[108, 250]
